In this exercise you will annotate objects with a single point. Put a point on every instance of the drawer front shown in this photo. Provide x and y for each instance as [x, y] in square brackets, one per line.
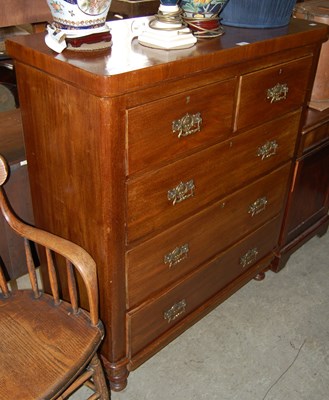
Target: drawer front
[147, 323]
[314, 137]
[269, 93]
[159, 199]
[162, 260]
[164, 129]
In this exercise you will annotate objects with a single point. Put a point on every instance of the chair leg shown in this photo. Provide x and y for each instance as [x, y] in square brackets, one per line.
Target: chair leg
[99, 378]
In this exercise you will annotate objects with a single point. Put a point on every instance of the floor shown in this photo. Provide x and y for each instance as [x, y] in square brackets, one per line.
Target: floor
[269, 341]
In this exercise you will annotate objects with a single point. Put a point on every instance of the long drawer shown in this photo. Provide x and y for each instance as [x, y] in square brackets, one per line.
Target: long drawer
[268, 93]
[162, 260]
[163, 197]
[150, 321]
[175, 125]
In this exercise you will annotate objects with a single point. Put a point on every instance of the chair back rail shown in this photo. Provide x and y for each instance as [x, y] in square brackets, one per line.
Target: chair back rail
[3, 284]
[74, 255]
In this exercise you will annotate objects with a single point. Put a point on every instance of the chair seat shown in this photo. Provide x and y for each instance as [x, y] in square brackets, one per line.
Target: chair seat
[43, 346]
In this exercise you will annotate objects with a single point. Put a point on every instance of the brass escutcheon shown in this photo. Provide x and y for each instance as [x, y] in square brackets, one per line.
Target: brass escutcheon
[187, 125]
[277, 92]
[182, 191]
[175, 311]
[268, 149]
[249, 258]
[177, 255]
[257, 206]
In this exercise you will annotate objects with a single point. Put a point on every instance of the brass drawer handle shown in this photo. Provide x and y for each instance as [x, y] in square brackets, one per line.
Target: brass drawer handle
[277, 92]
[177, 255]
[183, 191]
[268, 149]
[175, 311]
[257, 206]
[187, 125]
[249, 258]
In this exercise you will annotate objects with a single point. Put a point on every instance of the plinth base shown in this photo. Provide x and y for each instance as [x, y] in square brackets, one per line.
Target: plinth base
[78, 40]
[176, 39]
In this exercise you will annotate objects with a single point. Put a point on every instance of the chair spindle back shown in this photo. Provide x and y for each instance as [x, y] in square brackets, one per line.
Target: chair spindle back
[75, 256]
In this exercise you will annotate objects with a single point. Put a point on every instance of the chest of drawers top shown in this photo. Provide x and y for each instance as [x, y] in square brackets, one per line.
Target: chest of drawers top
[128, 66]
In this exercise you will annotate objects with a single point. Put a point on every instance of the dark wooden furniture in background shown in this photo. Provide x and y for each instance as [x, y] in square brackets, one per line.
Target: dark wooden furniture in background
[49, 343]
[12, 258]
[133, 8]
[171, 168]
[19, 12]
[308, 203]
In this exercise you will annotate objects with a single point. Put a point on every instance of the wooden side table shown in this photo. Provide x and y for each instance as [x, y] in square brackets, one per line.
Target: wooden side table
[307, 207]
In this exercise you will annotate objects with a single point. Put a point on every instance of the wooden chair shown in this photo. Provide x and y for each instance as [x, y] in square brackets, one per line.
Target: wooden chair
[48, 346]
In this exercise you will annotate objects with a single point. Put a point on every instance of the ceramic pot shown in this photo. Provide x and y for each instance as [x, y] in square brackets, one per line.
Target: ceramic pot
[202, 24]
[201, 8]
[79, 14]
[168, 3]
[257, 13]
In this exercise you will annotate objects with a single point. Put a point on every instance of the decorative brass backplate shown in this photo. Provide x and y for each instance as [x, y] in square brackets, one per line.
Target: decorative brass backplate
[177, 255]
[182, 191]
[268, 149]
[249, 258]
[187, 125]
[257, 206]
[175, 311]
[277, 92]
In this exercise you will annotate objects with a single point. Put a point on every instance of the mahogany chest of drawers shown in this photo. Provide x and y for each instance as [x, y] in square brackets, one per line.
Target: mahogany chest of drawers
[172, 168]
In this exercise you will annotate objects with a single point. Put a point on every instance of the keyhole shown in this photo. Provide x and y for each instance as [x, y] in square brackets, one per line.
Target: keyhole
[188, 99]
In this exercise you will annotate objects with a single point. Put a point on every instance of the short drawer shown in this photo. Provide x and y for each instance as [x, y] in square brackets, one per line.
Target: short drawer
[162, 260]
[314, 137]
[271, 92]
[166, 196]
[152, 320]
[164, 129]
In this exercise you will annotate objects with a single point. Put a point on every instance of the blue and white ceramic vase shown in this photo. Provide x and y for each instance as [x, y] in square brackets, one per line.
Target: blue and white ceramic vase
[79, 14]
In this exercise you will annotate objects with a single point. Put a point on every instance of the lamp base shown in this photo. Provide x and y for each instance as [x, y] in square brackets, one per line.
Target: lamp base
[167, 31]
[169, 40]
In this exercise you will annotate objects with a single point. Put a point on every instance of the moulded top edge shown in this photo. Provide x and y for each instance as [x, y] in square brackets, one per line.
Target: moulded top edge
[128, 65]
